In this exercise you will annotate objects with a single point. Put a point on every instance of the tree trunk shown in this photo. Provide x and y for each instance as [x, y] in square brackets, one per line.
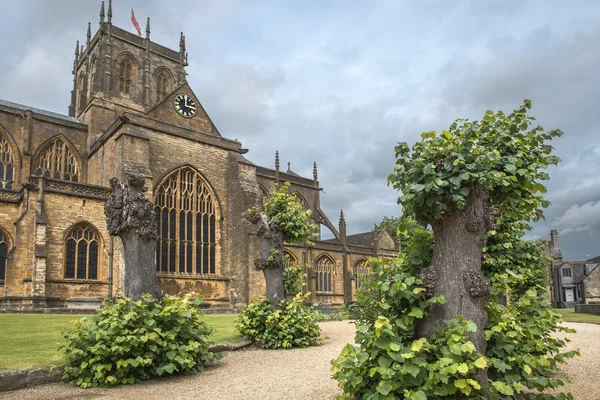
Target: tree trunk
[271, 260]
[275, 288]
[456, 270]
[140, 266]
[129, 215]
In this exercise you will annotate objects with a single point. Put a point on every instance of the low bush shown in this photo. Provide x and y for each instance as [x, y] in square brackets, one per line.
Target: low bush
[293, 324]
[129, 341]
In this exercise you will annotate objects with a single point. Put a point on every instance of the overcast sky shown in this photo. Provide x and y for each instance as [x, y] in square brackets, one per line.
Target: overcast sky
[341, 82]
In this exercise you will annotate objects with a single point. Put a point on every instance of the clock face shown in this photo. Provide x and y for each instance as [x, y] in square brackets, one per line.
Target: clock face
[184, 105]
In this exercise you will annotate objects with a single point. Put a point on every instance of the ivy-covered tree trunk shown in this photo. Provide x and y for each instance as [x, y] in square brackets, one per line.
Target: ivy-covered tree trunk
[271, 260]
[456, 269]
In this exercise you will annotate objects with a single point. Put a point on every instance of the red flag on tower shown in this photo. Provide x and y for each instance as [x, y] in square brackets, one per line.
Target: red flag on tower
[135, 23]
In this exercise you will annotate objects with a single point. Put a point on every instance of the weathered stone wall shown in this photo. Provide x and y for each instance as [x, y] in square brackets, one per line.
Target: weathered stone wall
[63, 212]
[27, 132]
[592, 286]
[588, 308]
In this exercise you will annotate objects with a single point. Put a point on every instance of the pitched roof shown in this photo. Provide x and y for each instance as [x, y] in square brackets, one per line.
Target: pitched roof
[361, 239]
[577, 267]
[41, 112]
[595, 260]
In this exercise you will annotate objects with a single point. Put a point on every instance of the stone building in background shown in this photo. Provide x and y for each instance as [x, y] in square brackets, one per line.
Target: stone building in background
[132, 110]
[572, 282]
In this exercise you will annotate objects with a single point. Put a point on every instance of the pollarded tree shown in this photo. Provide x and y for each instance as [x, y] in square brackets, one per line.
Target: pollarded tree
[459, 182]
[283, 220]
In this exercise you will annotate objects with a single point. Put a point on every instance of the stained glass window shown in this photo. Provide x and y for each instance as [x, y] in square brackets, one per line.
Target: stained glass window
[186, 218]
[82, 252]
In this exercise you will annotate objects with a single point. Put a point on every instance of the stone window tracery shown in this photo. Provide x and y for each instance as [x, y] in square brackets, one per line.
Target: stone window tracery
[7, 164]
[324, 269]
[361, 270]
[186, 219]
[4, 249]
[56, 161]
[82, 252]
[163, 85]
[126, 73]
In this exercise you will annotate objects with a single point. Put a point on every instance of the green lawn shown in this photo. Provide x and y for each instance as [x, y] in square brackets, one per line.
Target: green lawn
[570, 315]
[29, 340]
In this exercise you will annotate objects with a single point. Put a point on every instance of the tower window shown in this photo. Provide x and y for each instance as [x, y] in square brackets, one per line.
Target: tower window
[82, 253]
[163, 85]
[7, 164]
[82, 97]
[186, 218]
[57, 161]
[126, 75]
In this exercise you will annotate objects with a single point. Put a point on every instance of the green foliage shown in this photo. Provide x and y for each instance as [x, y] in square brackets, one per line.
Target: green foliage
[523, 346]
[293, 278]
[501, 154]
[282, 209]
[292, 324]
[401, 227]
[391, 362]
[128, 341]
[415, 256]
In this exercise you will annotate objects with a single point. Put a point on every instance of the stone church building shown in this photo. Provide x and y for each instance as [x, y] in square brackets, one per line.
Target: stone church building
[132, 111]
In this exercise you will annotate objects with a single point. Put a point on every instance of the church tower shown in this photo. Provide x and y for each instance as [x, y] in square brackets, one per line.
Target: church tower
[118, 71]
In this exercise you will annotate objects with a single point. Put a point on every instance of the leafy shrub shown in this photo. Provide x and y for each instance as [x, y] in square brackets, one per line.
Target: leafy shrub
[128, 341]
[291, 325]
[391, 362]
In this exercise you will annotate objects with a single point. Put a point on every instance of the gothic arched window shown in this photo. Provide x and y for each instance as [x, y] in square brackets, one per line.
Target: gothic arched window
[163, 84]
[4, 249]
[57, 161]
[186, 217]
[82, 97]
[361, 270]
[7, 164]
[82, 253]
[92, 77]
[324, 268]
[126, 72]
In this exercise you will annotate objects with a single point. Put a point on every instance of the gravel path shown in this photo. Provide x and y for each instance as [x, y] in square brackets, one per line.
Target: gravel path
[244, 375]
[295, 374]
[583, 371]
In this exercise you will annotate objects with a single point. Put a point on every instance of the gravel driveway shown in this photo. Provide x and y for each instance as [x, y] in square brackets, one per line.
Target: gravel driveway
[294, 374]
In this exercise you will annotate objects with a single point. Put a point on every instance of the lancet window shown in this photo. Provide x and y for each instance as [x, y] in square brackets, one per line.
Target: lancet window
[324, 268]
[361, 270]
[82, 252]
[7, 164]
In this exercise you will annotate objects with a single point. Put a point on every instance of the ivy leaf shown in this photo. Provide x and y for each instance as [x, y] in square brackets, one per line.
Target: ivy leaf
[481, 363]
[384, 388]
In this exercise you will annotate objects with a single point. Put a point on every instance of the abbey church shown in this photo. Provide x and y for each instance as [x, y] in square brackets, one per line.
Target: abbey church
[132, 111]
